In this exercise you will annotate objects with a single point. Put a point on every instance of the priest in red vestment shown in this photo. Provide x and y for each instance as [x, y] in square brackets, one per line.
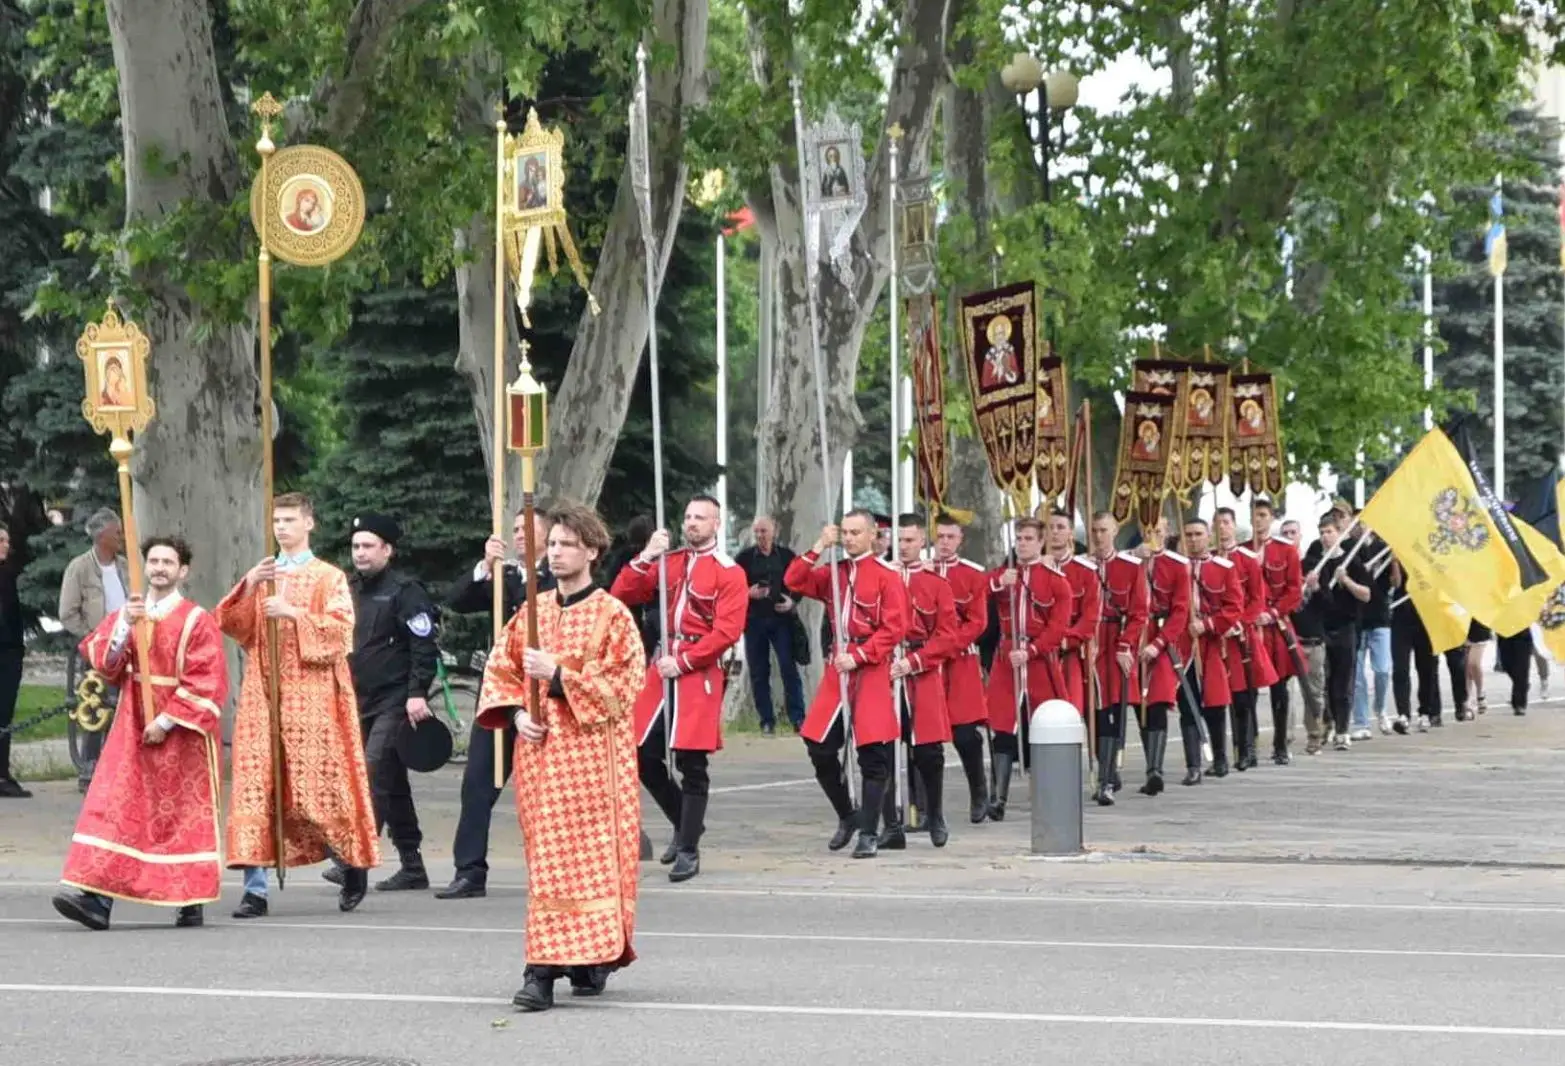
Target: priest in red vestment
[577, 793]
[147, 831]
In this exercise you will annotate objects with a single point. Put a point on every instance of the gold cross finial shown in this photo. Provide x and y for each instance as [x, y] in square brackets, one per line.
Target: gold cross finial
[267, 107]
[895, 132]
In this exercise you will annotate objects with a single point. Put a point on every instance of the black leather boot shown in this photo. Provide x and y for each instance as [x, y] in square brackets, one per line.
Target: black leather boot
[893, 836]
[972, 756]
[1280, 724]
[692, 823]
[1154, 742]
[1106, 751]
[1244, 730]
[88, 910]
[411, 876]
[846, 827]
[1003, 763]
[191, 917]
[1217, 728]
[355, 883]
[588, 980]
[931, 773]
[537, 991]
[869, 819]
[1191, 736]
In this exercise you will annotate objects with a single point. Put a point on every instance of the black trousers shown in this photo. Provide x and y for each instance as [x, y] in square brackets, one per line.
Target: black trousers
[470, 849]
[875, 763]
[1410, 651]
[1341, 647]
[1515, 654]
[10, 685]
[692, 766]
[1456, 666]
[389, 787]
[1157, 717]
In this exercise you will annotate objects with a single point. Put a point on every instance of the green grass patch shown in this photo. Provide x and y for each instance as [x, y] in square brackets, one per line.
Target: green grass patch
[35, 699]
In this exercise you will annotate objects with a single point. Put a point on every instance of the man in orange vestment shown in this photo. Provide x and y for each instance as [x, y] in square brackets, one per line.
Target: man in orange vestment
[326, 804]
[577, 792]
[147, 831]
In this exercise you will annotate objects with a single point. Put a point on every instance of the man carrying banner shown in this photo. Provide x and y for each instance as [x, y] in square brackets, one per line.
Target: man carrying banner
[1081, 573]
[1335, 592]
[147, 831]
[1249, 666]
[1166, 651]
[1122, 622]
[875, 621]
[1034, 602]
[708, 602]
[964, 682]
[932, 637]
[1284, 592]
[1216, 603]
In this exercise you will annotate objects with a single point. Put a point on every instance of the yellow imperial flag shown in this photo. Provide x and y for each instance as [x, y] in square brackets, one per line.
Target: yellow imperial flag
[1429, 511]
[1444, 620]
[1551, 619]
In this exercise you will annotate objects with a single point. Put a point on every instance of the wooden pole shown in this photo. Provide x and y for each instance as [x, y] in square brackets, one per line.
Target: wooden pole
[121, 450]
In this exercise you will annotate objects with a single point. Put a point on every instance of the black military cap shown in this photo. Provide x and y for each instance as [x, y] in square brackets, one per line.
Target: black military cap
[426, 747]
[383, 526]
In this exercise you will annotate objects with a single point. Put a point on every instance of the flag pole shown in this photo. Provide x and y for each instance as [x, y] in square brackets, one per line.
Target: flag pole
[1497, 266]
[1429, 335]
[894, 142]
[722, 393]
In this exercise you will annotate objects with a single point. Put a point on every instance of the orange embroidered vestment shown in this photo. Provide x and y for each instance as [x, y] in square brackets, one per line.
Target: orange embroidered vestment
[325, 784]
[148, 827]
[577, 792]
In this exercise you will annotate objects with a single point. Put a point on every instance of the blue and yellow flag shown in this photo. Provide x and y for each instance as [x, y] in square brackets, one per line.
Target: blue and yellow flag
[1494, 246]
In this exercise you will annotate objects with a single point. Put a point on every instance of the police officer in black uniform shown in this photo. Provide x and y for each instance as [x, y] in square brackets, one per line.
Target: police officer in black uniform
[393, 665]
[473, 594]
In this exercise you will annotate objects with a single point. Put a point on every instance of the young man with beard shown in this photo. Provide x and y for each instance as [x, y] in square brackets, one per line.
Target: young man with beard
[873, 622]
[576, 791]
[966, 708]
[707, 605]
[147, 831]
[1249, 665]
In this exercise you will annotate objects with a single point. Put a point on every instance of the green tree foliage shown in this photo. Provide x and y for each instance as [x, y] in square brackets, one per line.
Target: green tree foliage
[1464, 306]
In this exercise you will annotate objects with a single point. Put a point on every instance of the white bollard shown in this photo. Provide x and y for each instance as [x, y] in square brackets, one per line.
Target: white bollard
[1055, 739]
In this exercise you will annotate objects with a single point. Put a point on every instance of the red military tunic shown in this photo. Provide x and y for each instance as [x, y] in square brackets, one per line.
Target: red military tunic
[932, 637]
[877, 620]
[1216, 599]
[1123, 610]
[1284, 577]
[964, 676]
[706, 616]
[1253, 588]
[1169, 611]
[1081, 573]
[1046, 607]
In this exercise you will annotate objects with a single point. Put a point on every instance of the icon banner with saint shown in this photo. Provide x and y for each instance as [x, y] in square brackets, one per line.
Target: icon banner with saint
[999, 331]
[312, 211]
[835, 190]
[1146, 452]
[1205, 428]
[114, 358]
[1255, 458]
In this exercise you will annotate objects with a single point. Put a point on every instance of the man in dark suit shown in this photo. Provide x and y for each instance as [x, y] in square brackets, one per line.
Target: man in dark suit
[472, 595]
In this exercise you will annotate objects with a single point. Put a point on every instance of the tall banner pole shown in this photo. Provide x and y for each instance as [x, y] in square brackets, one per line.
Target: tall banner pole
[722, 392]
[1429, 335]
[899, 503]
[497, 449]
[839, 637]
[641, 178]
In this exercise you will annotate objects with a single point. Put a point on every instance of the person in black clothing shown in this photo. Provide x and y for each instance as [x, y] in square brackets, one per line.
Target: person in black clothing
[1372, 670]
[393, 665]
[770, 626]
[1515, 654]
[1410, 646]
[10, 662]
[472, 595]
[1333, 601]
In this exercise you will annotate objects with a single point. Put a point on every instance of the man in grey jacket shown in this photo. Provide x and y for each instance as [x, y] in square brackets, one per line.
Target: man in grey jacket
[96, 583]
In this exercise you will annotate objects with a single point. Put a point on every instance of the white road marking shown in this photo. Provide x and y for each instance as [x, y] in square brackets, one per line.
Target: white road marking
[896, 941]
[791, 783]
[774, 1009]
[881, 896]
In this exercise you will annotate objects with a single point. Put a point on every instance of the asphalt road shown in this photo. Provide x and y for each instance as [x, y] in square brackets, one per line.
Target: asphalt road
[1401, 902]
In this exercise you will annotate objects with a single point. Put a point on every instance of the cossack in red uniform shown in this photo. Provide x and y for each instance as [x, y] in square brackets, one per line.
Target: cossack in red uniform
[707, 604]
[1081, 573]
[877, 620]
[1169, 607]
[1123, 610]
[932, 637]
[1252, 588]
[964, 677]
[1043, 596]
[1216, 600]
[1284, 577]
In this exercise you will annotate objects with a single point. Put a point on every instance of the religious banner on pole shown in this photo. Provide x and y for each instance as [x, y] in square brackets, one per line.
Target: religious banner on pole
[1255, 458]
[1051, 407]
[1145, 455]
[928, 368]
[836, 192]
[1204, 428]
[999, 331]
